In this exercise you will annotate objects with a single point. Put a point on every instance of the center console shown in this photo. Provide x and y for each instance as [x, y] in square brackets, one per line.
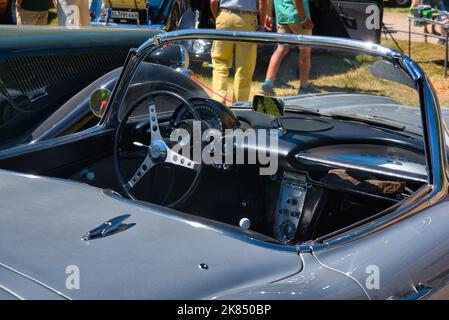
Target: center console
[288, 212]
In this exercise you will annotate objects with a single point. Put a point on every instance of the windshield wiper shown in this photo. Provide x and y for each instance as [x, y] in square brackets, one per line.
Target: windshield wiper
[302, 109]
[373, 120]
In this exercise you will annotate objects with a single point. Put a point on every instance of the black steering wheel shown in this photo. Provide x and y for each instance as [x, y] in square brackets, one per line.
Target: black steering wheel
[158, 151]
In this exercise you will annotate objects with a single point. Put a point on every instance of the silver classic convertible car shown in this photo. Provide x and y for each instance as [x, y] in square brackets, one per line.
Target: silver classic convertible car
[200, 194]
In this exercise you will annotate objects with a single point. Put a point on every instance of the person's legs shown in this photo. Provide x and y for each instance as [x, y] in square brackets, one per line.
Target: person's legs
[222, 56]
[273, 68]
[245, 63]
[222, 52]
[305, 61]
[27, 17]
[304, 65]
[84, 18]
[69, 13]
[275, 62]
[245, 57]
[42, 18]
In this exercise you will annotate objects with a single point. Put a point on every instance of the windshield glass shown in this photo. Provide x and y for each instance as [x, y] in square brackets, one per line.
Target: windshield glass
[332, 81]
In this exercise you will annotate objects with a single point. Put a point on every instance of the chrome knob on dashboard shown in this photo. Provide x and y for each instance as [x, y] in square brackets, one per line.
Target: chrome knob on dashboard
[245, 223]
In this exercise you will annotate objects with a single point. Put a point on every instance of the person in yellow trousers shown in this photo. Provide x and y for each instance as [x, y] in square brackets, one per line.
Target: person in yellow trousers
[235, 15]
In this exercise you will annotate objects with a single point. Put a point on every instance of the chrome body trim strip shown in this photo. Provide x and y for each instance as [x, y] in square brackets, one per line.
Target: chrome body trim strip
[35, 281]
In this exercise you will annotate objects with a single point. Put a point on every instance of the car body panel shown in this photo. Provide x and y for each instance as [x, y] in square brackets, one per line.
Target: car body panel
[162, 248]
[315, 281]
[409, 254]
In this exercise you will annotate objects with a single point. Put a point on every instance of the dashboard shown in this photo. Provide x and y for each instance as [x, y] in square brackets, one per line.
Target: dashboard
[311, 145]
[307, 142]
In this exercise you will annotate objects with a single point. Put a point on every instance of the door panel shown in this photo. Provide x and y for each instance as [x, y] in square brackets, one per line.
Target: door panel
[348, 19]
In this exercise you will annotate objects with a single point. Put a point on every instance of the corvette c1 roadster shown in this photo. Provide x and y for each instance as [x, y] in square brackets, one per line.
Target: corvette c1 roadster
[338, 194]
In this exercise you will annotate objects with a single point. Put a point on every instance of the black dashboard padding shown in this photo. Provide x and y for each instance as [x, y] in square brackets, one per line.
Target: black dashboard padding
[294, 123]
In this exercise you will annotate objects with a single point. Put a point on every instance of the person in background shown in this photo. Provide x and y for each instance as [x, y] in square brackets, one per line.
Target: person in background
[444, 18]
[292, 16]
[73, 13]
[32, 12]
[235, 15]
[434, 4]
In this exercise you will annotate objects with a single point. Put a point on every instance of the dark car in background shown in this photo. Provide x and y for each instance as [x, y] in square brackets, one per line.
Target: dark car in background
[158, 14]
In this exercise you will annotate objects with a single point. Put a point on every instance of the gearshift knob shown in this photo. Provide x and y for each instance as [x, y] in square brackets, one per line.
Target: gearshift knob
[245, 223]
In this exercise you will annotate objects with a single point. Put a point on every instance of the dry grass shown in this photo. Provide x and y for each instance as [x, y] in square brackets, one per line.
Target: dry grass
[431, 59]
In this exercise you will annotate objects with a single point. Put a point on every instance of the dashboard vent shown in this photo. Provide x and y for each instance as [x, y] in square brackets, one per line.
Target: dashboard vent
[36, 73]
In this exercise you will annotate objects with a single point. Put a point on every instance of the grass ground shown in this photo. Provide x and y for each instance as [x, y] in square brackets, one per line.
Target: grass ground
[430, 57]
[335, 73]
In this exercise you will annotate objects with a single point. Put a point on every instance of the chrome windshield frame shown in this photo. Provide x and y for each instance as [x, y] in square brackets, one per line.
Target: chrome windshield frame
[433, 128]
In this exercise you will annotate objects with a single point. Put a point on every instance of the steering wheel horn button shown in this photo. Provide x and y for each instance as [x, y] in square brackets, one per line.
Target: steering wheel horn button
[158, 151]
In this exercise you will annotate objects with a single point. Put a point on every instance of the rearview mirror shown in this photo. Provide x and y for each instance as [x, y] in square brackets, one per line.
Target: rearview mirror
[99, 100]
[268, 105]
[174, 56]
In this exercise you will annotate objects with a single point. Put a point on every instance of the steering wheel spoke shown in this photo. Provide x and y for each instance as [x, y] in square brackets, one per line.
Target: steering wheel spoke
[154, 123]
[146, 165]
[179, 160]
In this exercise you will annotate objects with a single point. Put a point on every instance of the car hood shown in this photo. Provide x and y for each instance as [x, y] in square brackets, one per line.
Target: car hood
[42, 254]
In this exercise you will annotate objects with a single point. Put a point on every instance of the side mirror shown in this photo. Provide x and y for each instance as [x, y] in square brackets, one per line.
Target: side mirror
[174, 56]
[268, 105]
[98, 101]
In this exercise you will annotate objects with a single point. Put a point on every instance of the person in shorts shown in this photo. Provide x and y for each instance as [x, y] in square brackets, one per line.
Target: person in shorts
[293, 16]
[32, 12]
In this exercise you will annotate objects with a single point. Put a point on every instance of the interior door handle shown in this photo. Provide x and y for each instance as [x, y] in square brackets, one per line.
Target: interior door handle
[420, 292]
